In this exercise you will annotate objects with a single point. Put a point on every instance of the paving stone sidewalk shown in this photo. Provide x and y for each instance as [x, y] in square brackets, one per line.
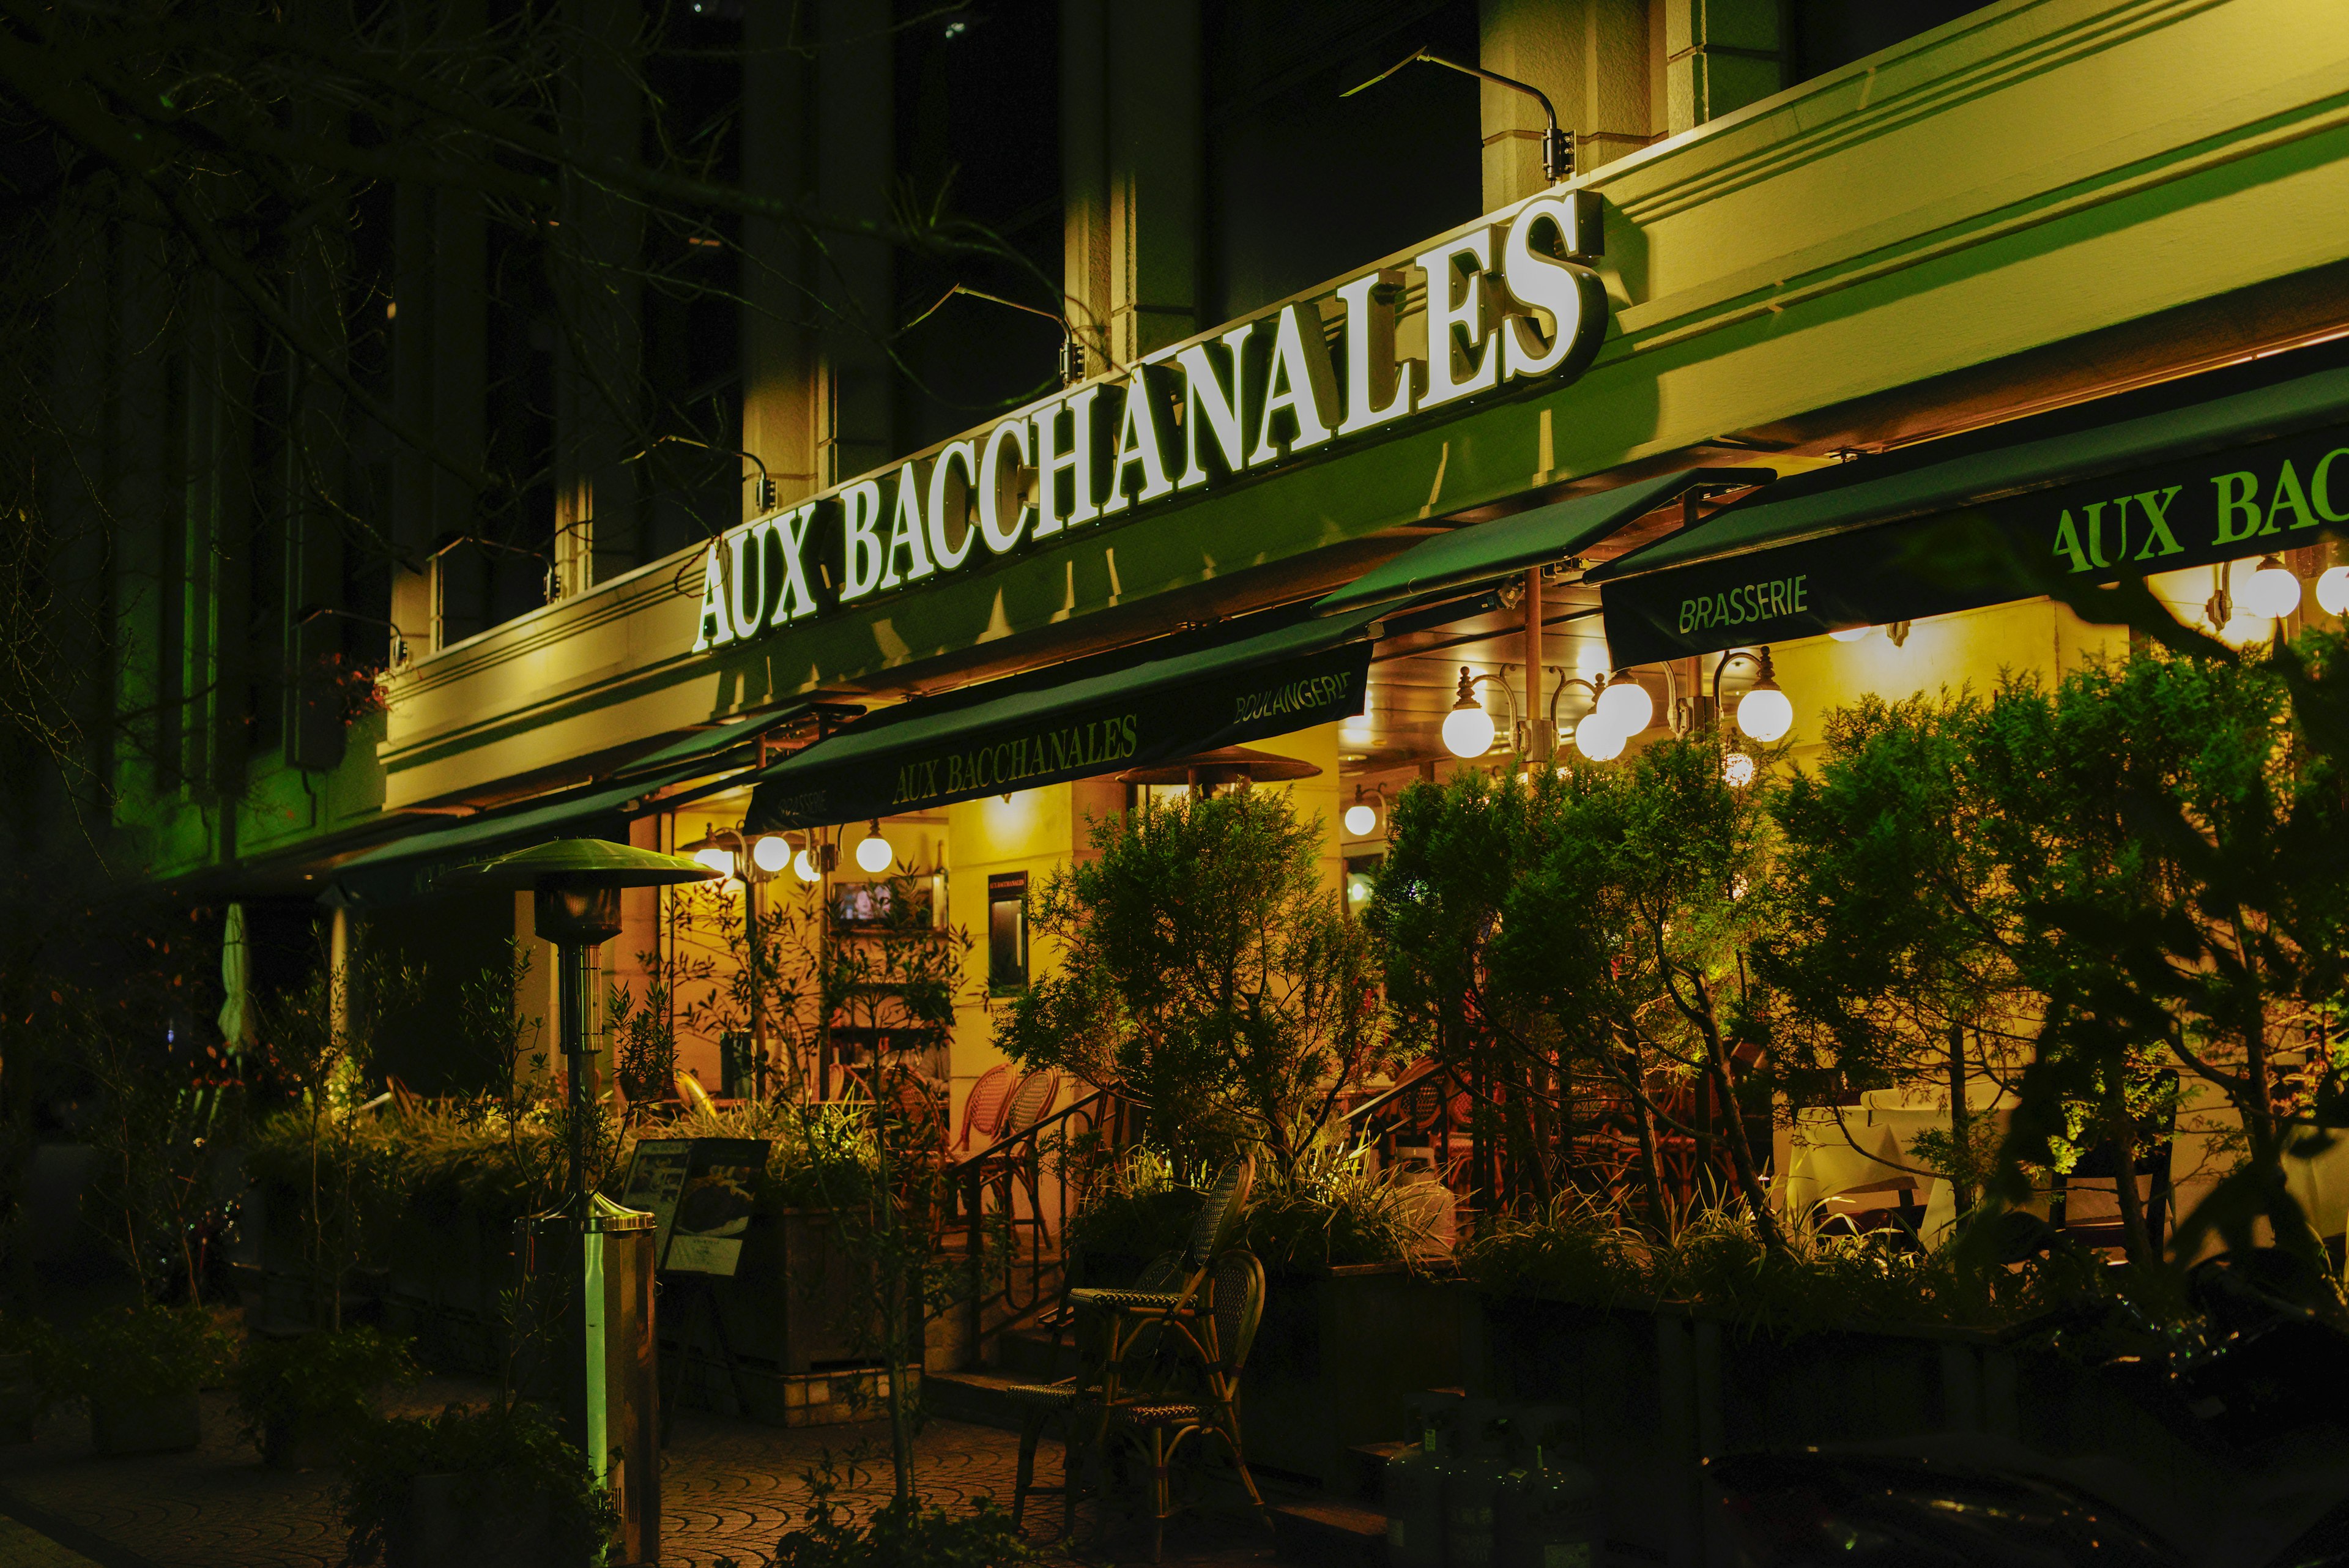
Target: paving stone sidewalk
[730, 1489]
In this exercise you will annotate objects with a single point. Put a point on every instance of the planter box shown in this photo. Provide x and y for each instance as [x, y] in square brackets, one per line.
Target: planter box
[494, 1530]
[171, 1424]
[21, 1398]
[1647, 1392]
[1341, 1356]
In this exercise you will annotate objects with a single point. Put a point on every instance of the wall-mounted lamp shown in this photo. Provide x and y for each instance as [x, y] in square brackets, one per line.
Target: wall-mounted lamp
[1361, 817]
[1468, 730]
[399, 637]
[2273, 590]
[873, 852]
[1557, 147]
[2332, 591]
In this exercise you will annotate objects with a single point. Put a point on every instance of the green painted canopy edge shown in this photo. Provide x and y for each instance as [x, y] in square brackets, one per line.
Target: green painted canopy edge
[840, 779]
[1480, 551]
[2202, 413]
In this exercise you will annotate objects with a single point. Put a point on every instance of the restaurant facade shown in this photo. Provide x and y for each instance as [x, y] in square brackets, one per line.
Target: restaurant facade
[1845, 385]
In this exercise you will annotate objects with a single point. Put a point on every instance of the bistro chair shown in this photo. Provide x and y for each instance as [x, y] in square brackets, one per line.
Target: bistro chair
[1029, 1101]
[1098, 1382]
[983, 1109]
[1217, 1343]
[1133, 1313]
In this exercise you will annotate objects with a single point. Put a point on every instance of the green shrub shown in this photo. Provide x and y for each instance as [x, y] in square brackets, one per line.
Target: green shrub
[330, 1379]
[1325, 1208]
[509, 1453]
[147, 1353]
[901, 1533]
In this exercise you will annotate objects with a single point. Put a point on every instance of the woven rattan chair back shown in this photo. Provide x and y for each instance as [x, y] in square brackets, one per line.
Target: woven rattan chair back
[1031, 1102]
[1236, 1307]
[1219, 1216]
[983, 1108]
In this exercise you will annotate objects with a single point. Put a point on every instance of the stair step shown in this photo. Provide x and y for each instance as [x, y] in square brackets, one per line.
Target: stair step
[1332, 1533]
[1366, 1468]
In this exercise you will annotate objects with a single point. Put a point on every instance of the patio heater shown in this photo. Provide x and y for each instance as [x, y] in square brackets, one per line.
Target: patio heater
[593, 1258]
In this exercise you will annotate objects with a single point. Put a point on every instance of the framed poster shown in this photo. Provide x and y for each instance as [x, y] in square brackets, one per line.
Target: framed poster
[700, 1191]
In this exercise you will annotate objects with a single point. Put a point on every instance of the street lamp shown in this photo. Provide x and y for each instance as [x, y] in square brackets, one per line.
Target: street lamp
[599, 1254]
[1468, 730]
[873, 851]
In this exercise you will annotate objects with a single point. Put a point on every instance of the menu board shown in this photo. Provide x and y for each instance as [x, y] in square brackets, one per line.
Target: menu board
[700, 1192]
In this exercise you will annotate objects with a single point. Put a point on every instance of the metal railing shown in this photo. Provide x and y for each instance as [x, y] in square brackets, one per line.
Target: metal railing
[1037, 1178]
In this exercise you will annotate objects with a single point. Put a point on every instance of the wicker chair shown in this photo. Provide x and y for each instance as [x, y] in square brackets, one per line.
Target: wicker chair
[1096, 1382]
[1119, 1334]
[1217, 1341]
[983, 1108]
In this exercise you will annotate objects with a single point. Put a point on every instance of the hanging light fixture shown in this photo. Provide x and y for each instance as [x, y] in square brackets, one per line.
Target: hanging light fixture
[1625, 704]
[2271, 590]
[1764, 713]
[1361, 817]
[1467, 728]
[803, 868]
[2332, 591]
[1597, 739]
[720, 861]
[770, 852]
[873, 852]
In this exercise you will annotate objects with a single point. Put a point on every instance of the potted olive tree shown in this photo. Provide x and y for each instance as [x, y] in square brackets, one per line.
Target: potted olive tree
[140, 1371]
[306, 1399]
[493, 1487]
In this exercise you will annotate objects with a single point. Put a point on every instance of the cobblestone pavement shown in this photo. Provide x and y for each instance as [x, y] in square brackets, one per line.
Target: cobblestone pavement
[729, 1490]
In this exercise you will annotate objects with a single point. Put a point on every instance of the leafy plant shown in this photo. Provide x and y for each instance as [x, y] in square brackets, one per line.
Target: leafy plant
[330, 1380]
[901, 1532]
[510, 1454]
[148, 1353]
[1326, 1208]
[1208, 972]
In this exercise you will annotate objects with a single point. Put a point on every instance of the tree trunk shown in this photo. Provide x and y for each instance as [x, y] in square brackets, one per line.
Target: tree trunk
[1740, 1149]
[2120, 1143]
[1961, 1123]
[1650, 1173]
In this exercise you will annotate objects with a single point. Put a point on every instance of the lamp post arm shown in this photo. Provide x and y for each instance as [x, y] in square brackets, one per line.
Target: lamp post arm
[1557, 151]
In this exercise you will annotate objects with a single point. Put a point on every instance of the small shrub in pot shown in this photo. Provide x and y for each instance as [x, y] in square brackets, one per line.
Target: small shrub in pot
[495, 1487]
[305, 1399]
[140, 1370]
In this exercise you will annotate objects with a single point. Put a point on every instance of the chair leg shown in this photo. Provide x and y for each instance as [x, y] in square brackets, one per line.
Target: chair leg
[1030, 1428]
[1161, 1500]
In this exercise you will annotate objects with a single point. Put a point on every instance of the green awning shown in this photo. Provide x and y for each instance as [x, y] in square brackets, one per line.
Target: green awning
[2205, 469]
[410, 866]
[1482, 552]
[1266, 675]
[712, 745]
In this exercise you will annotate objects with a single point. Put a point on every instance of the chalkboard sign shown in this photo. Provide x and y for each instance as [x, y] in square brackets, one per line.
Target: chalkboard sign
[701, 1190]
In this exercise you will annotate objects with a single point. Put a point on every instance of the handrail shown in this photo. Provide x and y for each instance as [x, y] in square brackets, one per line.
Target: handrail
[1031, 1129]
[1428, 1068]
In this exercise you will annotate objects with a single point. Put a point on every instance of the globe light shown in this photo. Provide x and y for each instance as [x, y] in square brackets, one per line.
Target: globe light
[1597, 739]
[1625, 704]
[771, 853]
[2332, 590]
[1361, 821]
[2271, 590]
[803, 867]
[1737, 770]
[719, 860]
[873, 851]
[1850, 633]
[2244, 628]
[1763, 712]
[1467, 728]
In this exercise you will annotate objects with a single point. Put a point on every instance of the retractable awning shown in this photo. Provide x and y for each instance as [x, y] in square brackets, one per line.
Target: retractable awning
[2206, 469]
[1266, 675]
[1483, 552]
[410, 866]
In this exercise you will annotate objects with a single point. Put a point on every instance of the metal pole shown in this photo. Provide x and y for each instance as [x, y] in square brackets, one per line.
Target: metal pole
[1540, 745]
[571, 959]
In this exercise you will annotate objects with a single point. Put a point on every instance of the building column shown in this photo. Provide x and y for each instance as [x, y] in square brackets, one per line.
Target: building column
[779, 388]
[1594, 59]
[1718, 56]
[855, 165]
[1130, 156]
